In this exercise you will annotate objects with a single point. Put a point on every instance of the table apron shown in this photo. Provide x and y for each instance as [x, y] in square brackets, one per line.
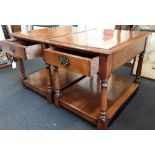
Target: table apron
[122, 56]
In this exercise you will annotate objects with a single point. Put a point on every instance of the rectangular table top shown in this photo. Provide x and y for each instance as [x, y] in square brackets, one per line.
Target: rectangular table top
[100, 41]
[47, 33]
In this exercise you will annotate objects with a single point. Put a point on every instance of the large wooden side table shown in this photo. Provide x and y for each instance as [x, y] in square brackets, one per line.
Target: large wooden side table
[96, 54]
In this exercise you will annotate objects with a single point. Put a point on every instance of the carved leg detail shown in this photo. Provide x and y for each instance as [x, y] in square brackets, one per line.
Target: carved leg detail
[56, 84]
[102, 120]
[105, 68]
[57, 95]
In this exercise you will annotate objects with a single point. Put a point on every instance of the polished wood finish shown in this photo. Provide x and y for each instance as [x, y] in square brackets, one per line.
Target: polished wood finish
[56, 85]
[99, 97]
[85, 100]
[89, 63]
[114, 49]
[20, 49]
[99, 41]
[139, 66]
[126, 54]
[41, 81]
[49, 83]
[31, 44]
[105, 68]
[41, 35]
[37, 82]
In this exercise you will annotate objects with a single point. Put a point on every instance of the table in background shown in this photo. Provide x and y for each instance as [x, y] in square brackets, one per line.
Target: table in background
[29, 45]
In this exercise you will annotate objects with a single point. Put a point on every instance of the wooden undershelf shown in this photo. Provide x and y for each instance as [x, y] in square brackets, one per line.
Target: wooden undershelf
[4, 65]
[38, 81]
[82, 98]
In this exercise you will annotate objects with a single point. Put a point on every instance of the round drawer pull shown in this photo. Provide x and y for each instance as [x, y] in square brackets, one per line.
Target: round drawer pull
[12, 49]
[64, 61]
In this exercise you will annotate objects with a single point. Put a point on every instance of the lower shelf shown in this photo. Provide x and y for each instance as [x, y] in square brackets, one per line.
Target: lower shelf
[82, 98]
[4, 65]
[38, 81]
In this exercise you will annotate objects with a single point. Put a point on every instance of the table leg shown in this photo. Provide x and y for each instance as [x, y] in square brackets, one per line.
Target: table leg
[49, 84]
[140, 63]
[56, 84]
[139, 67]
[102, 120]
[105, 66]
[8, 57]
[22, 71]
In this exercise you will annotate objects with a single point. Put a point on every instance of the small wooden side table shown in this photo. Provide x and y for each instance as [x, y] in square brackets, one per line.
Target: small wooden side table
[96, 54]
[30, 45]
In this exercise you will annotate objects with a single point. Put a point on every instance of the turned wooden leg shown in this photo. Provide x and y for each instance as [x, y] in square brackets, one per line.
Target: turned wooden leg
[56, 83]
[22, 71]
[132, 68]
[139, 67]
[49, 84]
[105, 65]
[8, 58]
[102, 120]
[140, 63]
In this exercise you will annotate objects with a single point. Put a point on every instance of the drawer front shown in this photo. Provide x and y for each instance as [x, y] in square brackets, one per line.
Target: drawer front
[20, 49]
[75, 63]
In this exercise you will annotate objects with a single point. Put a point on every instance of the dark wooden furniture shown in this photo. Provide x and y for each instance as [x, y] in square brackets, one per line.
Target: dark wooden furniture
[98, 97]
[30, 45]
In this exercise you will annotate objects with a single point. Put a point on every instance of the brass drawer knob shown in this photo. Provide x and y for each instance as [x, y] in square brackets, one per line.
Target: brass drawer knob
[64, 61]
[12, 49]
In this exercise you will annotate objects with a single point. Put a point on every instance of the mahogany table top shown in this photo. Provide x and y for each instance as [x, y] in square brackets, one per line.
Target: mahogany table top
[99, 40]
[47, 33]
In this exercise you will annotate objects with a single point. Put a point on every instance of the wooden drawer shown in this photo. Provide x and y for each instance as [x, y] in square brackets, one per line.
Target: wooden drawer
[21, 49]
[82, 63]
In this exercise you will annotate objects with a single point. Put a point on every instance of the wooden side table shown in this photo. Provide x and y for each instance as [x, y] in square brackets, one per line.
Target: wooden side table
[30, 45]
[96, 54]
